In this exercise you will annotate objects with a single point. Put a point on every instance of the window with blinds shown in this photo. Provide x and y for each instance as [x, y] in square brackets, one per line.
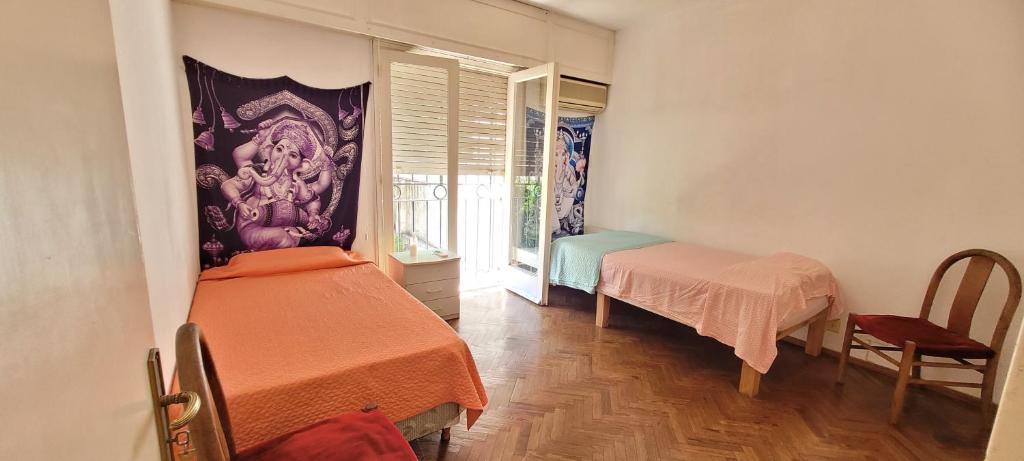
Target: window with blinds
[419, 99]
[482, 114]
[421, 193]
[419, 119]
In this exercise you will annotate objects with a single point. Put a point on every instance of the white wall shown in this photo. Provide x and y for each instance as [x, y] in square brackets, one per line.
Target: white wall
[876, 136]
[248, 45]
[161, 164]
[75, 325]
[502, 30]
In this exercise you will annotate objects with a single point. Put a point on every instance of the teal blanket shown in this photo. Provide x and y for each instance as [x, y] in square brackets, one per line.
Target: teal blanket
[576, 259]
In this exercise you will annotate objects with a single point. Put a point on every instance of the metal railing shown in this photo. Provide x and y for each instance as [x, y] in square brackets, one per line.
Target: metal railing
[421, 213]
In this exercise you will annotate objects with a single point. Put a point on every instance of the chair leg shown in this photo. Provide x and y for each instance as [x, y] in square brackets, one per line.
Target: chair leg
[902, 379]
[988, 383]
[446, 434]
[844, 356]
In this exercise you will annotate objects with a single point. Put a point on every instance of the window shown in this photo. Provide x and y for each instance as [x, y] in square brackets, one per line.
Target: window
[419, 146]
[481, 229]
[425, 90]
[419, 150]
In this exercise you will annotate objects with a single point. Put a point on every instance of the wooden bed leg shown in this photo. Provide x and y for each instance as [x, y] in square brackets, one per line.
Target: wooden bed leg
[603, 307]
[446, 434]
[816, 335]
[750, 381]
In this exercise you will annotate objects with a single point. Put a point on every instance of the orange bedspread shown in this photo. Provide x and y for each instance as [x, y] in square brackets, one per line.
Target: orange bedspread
[303, 334]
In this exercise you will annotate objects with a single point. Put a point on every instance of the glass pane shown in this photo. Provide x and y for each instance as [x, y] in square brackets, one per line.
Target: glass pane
[419, 151]
[483, 106]
[526, 173]
[481, 229]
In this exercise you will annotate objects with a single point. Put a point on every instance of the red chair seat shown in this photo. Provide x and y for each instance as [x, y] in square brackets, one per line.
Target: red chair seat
[931, 339]
[352, 436]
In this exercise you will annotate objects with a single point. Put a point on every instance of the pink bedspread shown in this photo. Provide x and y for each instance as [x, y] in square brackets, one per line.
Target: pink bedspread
[738, 299]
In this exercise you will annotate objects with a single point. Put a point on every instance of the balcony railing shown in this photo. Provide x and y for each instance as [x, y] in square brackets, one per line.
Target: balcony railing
[421, 211]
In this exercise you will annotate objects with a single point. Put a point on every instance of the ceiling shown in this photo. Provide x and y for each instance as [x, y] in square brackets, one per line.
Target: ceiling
[613, 14]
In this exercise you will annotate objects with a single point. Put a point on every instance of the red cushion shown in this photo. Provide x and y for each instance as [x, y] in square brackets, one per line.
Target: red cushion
[349, 436]
[931, 339]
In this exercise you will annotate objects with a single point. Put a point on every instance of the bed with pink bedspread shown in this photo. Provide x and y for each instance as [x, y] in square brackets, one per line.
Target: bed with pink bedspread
[743, 301]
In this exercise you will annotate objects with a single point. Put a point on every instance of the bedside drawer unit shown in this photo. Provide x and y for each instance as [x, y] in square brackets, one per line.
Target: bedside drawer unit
[446, 308]
[428, 291]
[432, 279]
[422, 273]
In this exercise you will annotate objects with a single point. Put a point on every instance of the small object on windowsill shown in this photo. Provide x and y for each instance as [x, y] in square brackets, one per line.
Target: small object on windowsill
[412, 249]
[441, 253]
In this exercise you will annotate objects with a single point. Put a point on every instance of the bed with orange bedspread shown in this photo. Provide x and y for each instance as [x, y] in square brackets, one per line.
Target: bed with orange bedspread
[303, 334]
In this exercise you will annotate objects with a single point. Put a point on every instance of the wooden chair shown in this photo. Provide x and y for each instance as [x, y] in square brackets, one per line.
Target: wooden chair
[348, 436]
[918, 337]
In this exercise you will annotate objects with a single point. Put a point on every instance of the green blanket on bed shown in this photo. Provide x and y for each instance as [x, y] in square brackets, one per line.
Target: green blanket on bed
[576, 259]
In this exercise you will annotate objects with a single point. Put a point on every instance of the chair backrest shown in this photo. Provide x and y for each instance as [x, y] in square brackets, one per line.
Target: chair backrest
[965, 302]
[209, 433]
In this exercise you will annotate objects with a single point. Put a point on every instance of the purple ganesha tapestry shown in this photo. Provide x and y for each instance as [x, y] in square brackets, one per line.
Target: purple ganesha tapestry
[277, 162]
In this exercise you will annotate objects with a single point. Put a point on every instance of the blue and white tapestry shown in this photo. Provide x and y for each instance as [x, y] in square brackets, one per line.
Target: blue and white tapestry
[572, 157]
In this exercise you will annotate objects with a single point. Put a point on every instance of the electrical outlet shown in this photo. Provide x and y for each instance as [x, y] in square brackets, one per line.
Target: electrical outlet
[832, 325]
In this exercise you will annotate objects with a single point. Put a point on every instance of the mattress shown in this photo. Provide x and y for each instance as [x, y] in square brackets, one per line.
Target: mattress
[304, 334]
[576, 259]
[741, 300]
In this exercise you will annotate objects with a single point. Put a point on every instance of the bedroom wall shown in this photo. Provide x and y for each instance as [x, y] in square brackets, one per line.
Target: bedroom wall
[249, 45]
[161, 162]
[508, 31]
[75, 325]
[877, 136]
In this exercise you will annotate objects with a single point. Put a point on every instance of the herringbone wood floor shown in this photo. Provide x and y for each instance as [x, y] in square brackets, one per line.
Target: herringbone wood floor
[648, 388]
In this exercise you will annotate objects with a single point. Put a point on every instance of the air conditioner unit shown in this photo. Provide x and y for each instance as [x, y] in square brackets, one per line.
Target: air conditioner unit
[583, 96]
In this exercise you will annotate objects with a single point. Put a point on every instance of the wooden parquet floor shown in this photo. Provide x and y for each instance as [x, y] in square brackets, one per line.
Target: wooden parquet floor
[648, 388]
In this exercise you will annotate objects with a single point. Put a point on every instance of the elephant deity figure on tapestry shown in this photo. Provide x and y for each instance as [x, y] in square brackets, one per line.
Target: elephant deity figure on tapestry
[275, 205]
[569, 176]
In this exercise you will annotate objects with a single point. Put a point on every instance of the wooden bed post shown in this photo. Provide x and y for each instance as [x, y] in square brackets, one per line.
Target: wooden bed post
[750, 381]
[603, 305]
[816, 334]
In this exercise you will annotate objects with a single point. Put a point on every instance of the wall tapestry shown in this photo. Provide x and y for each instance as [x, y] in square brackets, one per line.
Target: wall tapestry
[572, 156]
[277, 162]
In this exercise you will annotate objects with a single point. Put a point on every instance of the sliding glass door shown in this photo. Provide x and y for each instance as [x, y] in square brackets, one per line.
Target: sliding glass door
[532, 118]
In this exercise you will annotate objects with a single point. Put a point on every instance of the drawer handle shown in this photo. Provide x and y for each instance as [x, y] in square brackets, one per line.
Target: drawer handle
[434, 290]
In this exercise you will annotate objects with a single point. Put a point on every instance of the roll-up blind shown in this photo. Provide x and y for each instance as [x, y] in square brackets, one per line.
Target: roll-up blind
[482, 111]
[419, 113]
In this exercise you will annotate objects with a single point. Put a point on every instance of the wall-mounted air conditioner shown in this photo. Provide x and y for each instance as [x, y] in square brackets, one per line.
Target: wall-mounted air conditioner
[583, 96]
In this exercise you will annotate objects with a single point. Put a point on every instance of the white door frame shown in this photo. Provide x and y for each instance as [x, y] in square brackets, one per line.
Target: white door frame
[548, 71]
[383, 57]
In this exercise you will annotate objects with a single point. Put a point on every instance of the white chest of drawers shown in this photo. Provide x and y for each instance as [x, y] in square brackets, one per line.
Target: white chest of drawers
[430, 278]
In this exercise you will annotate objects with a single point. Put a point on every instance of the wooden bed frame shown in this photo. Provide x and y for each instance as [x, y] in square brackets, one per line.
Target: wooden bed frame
[750, 379]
